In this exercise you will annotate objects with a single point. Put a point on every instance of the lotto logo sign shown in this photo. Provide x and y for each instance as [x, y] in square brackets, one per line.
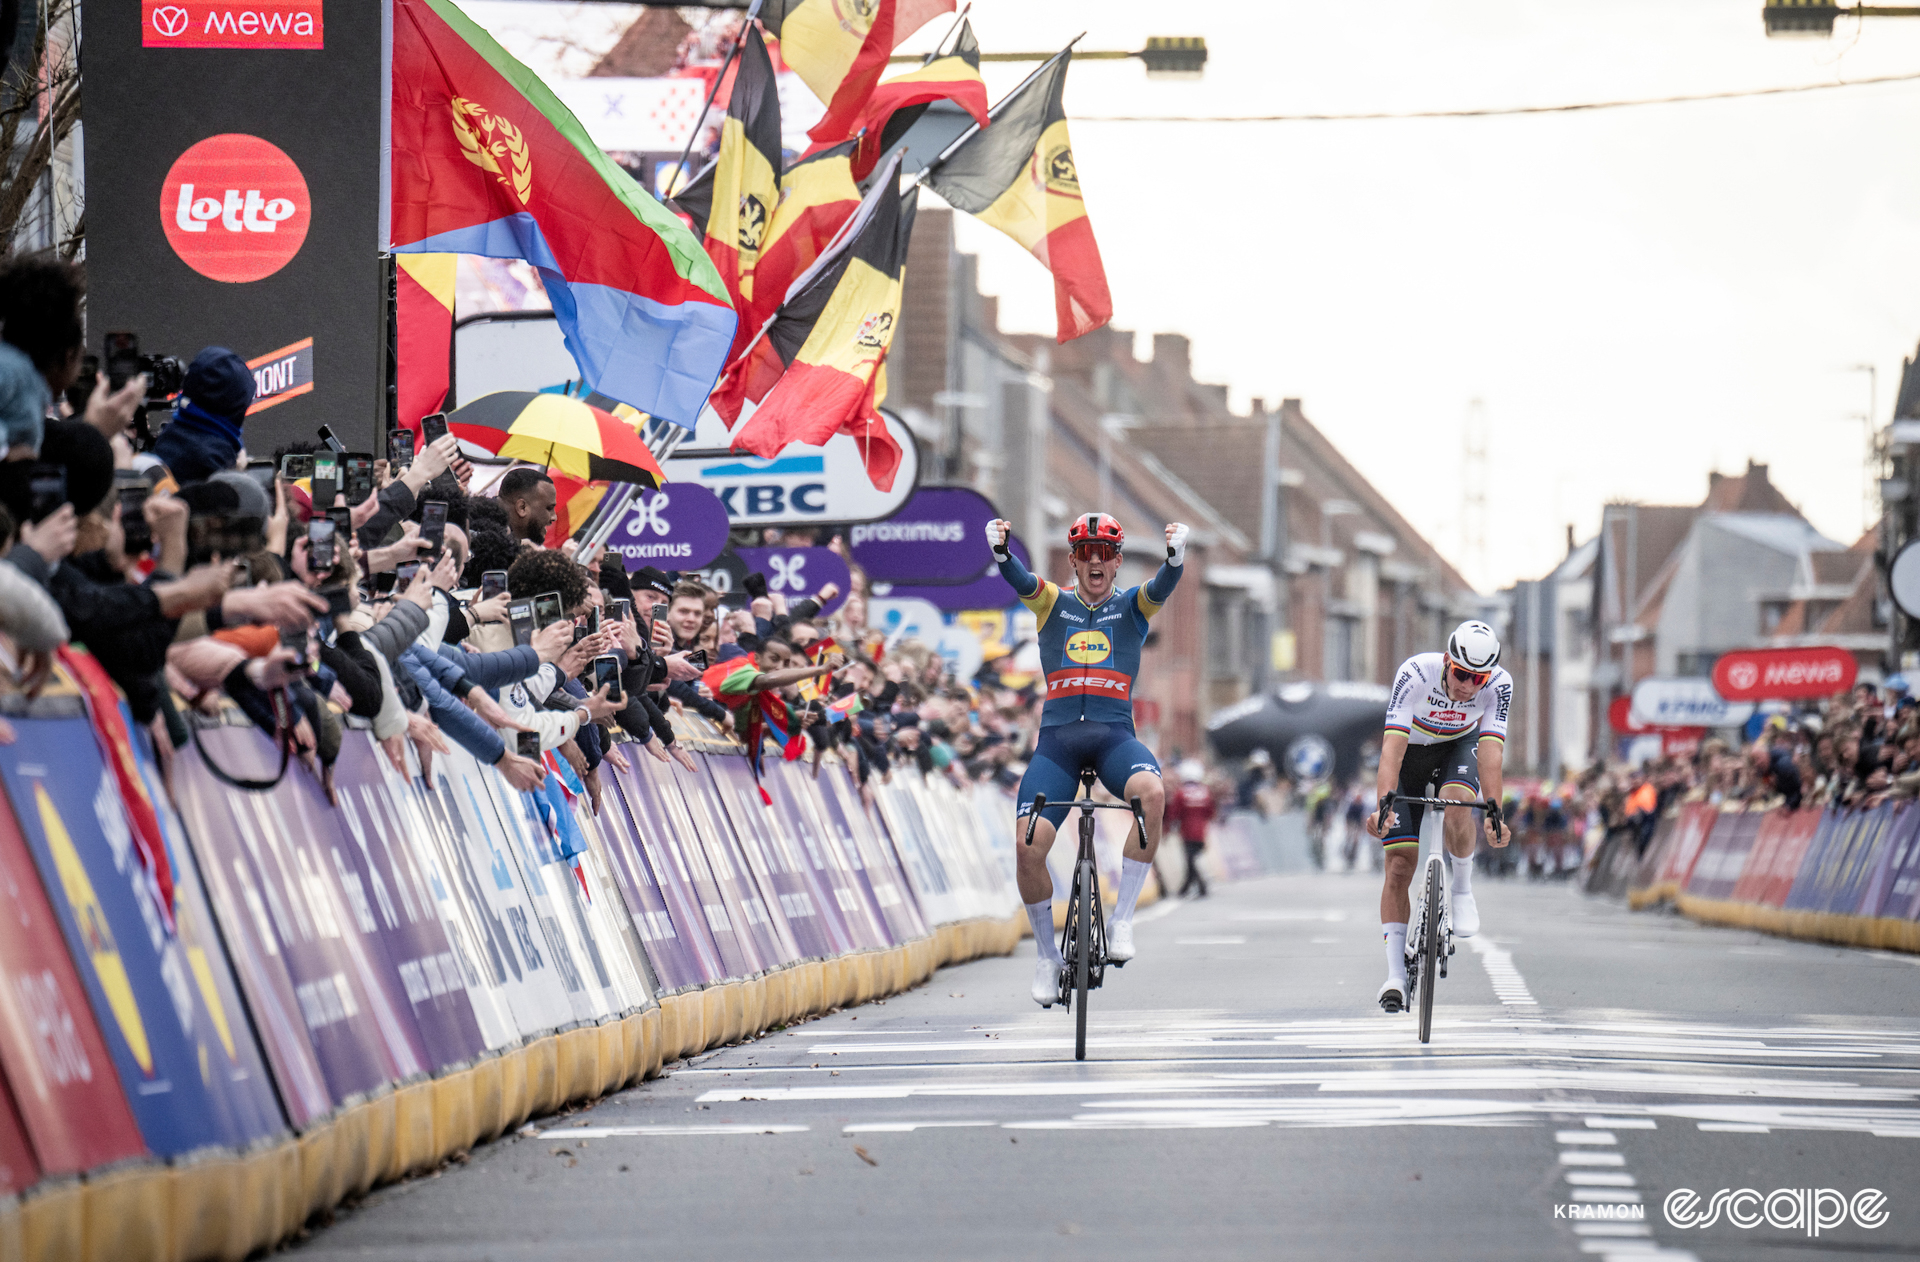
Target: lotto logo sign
[292, 24]
[235, 208]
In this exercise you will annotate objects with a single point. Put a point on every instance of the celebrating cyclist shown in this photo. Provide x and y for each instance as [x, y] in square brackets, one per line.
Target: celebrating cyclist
[1446, 724]
[1090, 639]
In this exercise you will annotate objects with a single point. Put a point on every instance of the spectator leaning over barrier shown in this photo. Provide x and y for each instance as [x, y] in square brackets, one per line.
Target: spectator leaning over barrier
[687, 615]
[529, 498]
[525, 702]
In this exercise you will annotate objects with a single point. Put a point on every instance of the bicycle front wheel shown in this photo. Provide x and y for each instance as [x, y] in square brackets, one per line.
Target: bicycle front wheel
[1083, 959]
[1430, 947]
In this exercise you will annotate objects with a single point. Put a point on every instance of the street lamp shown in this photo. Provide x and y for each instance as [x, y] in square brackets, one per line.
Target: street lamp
[1166, 56]
[1814, 19]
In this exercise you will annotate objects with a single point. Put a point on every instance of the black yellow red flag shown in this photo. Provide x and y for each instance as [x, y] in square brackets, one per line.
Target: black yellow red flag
[827, 345]
[745, 185]
[839, 48]
[897, 104]
[1018, 175]
[817, 197]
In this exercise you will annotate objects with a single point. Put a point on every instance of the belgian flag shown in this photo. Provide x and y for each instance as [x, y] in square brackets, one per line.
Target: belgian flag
[839, 48]
[826, 348]
[817, 197]
[1018, 175]
[742, 186]
[897, 104]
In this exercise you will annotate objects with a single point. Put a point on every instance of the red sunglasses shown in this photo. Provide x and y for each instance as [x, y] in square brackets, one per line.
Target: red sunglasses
[1477, 678]
[1095, 551]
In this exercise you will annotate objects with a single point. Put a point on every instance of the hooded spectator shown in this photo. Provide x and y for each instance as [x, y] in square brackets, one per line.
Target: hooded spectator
[205, 437]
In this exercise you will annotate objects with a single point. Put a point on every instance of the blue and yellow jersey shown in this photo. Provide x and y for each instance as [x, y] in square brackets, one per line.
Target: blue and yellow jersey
[1090, 654]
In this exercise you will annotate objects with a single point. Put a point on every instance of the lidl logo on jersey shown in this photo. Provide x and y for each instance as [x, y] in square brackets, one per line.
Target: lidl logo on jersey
[1089, 647]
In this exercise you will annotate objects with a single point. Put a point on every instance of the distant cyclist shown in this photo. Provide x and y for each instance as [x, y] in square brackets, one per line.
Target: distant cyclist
[1446, 726]
[1090, 641]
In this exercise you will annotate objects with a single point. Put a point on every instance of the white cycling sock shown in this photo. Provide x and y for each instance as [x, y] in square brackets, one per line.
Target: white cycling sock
[1396, 937]
[1040, 916]
[1133, 879]
[1463, 875]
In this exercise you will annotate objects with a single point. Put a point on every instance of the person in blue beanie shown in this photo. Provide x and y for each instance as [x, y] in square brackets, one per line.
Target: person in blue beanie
[204, 437]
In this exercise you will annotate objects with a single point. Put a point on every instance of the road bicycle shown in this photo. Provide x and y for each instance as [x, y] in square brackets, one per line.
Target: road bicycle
[1430, 927]
[1083, 939]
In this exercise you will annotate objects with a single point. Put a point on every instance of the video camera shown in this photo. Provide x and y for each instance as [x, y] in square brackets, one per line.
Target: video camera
[165, 376]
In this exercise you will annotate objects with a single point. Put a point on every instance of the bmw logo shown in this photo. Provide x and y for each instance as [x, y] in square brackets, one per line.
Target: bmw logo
[1310, 759]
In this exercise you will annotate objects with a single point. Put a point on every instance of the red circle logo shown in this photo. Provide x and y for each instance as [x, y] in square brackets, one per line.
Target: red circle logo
[235, 208]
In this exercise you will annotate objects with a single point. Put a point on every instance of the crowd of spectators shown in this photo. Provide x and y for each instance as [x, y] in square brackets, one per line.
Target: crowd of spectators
[201, 575]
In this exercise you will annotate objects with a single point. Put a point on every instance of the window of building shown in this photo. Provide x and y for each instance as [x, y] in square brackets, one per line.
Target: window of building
[1341, 653]
[1771, 612]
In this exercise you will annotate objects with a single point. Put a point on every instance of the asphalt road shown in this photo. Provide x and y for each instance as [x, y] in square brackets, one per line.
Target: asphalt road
[1243, 1097]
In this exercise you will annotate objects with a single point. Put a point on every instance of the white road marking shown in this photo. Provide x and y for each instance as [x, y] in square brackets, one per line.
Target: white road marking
[1508, 986]
[901, 1128]
[1583, 1137]
[1623, 1123]
[1606, 1196]
[1579, 1158]
[1159, 911]
[1599, 1178]
[1735, 1128]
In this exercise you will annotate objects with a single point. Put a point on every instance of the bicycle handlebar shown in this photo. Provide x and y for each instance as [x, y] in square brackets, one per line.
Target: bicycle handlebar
[1088, 804]
[1487, 806]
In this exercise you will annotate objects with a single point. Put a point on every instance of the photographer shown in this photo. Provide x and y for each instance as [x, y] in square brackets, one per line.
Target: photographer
[204, 437]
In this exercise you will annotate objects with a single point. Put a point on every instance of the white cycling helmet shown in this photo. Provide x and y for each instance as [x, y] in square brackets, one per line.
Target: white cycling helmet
[1474, 646]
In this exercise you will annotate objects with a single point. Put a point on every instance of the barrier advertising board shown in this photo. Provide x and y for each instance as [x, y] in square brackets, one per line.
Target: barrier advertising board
[151, 1007]
[1793, 674]
[1687, 702]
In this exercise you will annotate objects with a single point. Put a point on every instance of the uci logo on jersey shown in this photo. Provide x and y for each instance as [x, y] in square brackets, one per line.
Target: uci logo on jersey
[1089, 647]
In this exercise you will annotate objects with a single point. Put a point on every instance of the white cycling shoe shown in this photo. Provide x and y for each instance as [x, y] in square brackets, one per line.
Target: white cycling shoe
[1393, 995]
[1119, 941]
[1466, 916]
[1046, 982]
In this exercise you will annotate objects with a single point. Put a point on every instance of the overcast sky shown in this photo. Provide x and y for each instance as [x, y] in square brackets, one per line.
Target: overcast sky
[1639, 295]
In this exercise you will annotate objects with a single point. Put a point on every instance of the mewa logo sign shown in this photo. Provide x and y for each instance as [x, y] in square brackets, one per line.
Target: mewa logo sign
[292, 24]
[1783, 674]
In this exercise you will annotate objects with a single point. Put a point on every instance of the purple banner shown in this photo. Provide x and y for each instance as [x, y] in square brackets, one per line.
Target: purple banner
[675, 934]
[800, 573]
[848, 817]
[388, 896]
[303, 964]
[681, 526]
[811, 918]
[939, 537]
[672, 825]
[797, 789]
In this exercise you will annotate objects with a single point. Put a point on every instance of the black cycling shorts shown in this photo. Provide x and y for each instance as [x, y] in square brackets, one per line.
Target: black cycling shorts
[1424, 772]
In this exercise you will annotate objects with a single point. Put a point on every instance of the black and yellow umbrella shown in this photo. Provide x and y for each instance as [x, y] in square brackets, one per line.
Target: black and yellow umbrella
[566, 435]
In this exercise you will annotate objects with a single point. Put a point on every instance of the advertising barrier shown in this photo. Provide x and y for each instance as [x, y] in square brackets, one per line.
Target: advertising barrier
[347, 987]
[1832, 875]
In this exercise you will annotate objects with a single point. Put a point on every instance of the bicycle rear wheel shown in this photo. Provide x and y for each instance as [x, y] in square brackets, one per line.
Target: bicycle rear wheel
[1083, 958]
[1430, 947]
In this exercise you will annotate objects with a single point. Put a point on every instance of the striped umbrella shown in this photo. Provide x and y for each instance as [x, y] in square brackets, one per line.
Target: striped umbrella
[566, 435]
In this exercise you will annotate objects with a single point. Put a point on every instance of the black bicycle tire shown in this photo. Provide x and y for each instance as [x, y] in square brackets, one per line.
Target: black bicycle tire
[1430, 948]
[1083, 957]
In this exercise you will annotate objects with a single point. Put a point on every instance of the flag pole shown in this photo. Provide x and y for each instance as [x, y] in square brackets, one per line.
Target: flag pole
[753, 11]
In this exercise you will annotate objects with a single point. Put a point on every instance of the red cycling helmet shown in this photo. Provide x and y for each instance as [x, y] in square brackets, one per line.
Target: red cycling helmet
[1096, 529]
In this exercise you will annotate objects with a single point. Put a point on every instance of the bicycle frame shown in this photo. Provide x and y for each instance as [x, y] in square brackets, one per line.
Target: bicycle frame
[1430, 926]
[1083, 938]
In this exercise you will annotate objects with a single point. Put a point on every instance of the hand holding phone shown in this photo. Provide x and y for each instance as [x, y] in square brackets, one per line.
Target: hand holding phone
[492, 583]
[433, 427]
[606, 674]
[320, 545]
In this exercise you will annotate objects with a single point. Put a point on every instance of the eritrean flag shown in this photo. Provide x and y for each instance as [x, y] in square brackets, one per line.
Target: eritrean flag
[481, 158]
[818, 195]
[423, 316]
[897, 104]
[839, 48]
[831, 338]
[1018, 175]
